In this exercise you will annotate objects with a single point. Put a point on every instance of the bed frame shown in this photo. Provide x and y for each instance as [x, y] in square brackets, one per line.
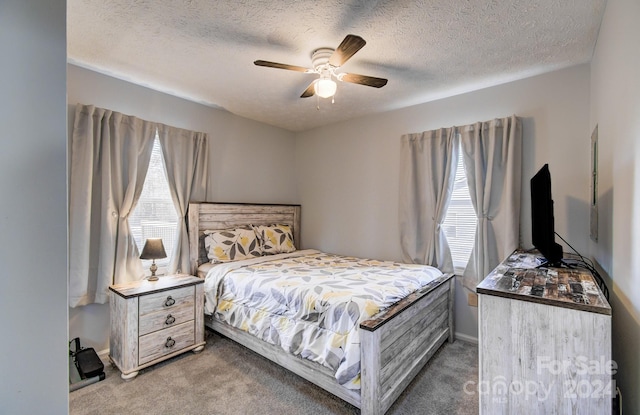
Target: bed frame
[395, 344]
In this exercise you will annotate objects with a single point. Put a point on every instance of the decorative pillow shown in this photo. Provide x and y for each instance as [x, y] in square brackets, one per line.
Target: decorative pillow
[275, 239]
[231, 245]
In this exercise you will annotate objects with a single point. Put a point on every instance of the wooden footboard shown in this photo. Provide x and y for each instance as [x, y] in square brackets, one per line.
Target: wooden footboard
[395, 346]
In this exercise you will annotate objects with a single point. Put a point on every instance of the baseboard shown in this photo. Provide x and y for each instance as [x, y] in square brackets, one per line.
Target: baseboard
[104, 354]
[466, 338]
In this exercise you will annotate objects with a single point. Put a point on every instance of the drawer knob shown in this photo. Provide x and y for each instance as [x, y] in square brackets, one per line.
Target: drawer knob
[170, 342]
[169, 302]
[170, 320]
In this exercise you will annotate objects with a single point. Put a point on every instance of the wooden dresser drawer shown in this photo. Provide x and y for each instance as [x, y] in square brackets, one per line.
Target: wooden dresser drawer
[166, 318]
[163, 342]
[166, 300]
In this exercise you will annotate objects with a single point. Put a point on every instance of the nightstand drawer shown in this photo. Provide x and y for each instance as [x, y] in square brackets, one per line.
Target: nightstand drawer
[166, 318]
[166, 300]
[163, 342]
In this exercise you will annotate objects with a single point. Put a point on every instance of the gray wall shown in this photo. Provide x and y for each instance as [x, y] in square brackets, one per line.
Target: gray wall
[348, 173]
[249, 161]
[33, 211]
[32, 46]
[615, 108]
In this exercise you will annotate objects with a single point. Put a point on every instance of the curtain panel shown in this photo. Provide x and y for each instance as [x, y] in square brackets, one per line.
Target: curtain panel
[427, 173]
[492, 158]
[492, 154]
[110, 155]
[186, 161]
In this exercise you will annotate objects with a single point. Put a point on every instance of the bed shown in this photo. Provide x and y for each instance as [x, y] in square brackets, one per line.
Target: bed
[394, 343]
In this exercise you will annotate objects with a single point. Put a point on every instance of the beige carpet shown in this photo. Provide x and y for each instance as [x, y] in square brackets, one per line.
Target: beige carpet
[229, 379]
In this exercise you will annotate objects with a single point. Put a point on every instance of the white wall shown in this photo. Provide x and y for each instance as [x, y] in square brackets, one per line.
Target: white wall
[615, 108]
[249, 161]
[33, 218]
[348, 173]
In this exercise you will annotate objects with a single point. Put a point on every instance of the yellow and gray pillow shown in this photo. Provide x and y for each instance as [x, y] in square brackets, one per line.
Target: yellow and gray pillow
[231, 245]
[245, 243]
[275, 239]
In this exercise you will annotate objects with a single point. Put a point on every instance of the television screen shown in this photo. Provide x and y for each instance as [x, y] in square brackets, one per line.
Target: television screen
[542, 222]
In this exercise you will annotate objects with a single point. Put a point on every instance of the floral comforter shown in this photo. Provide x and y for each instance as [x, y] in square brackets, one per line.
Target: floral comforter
[310, 303]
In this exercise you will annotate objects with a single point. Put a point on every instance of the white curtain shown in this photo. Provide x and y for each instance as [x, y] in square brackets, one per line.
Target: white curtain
[427, 173]
[492, 154]
[185, 155]
[110, 155]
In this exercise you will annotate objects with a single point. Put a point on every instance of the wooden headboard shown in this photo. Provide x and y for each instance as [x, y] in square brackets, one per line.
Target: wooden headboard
[218, 216]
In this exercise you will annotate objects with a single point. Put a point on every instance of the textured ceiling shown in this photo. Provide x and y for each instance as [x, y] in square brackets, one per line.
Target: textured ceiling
[204, 50]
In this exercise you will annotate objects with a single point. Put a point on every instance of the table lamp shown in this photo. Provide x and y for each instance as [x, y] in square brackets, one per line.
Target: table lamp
[153, 249]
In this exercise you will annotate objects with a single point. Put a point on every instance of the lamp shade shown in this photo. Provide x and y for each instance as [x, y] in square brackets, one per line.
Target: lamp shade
[325, 88]
[153, 249]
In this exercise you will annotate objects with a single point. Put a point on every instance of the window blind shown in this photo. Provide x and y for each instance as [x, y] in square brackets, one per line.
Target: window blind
[461, 221]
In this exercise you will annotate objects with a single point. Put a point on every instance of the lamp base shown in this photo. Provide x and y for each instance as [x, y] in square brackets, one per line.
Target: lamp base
[153, 268]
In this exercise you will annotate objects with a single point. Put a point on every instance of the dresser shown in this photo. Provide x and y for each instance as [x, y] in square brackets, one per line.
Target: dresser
[152, 321]
[544, 341]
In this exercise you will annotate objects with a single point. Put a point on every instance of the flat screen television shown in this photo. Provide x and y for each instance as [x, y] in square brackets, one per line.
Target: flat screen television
[542, 222]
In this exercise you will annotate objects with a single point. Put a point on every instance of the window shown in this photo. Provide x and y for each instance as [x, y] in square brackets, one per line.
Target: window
[155, 216]
[461, 220]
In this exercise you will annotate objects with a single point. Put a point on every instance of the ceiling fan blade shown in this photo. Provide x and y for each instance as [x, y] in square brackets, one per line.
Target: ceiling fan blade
[349, 46]
[362, 80]
[282, 66]
[310, 91]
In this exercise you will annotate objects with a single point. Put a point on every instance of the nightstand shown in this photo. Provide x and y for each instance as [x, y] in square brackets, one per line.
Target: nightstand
[152, 321]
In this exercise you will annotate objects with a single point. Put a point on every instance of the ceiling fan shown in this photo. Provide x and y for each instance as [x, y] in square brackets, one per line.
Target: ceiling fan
[325, 63]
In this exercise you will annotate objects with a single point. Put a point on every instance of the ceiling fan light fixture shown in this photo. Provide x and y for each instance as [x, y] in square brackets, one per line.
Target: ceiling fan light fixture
[325, 88]
[325, 62]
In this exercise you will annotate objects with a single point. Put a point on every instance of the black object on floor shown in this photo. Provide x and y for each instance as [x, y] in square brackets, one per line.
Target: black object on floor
[85, 367]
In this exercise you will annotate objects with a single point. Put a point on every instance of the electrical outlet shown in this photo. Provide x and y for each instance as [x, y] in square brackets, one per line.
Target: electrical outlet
[472, 299]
